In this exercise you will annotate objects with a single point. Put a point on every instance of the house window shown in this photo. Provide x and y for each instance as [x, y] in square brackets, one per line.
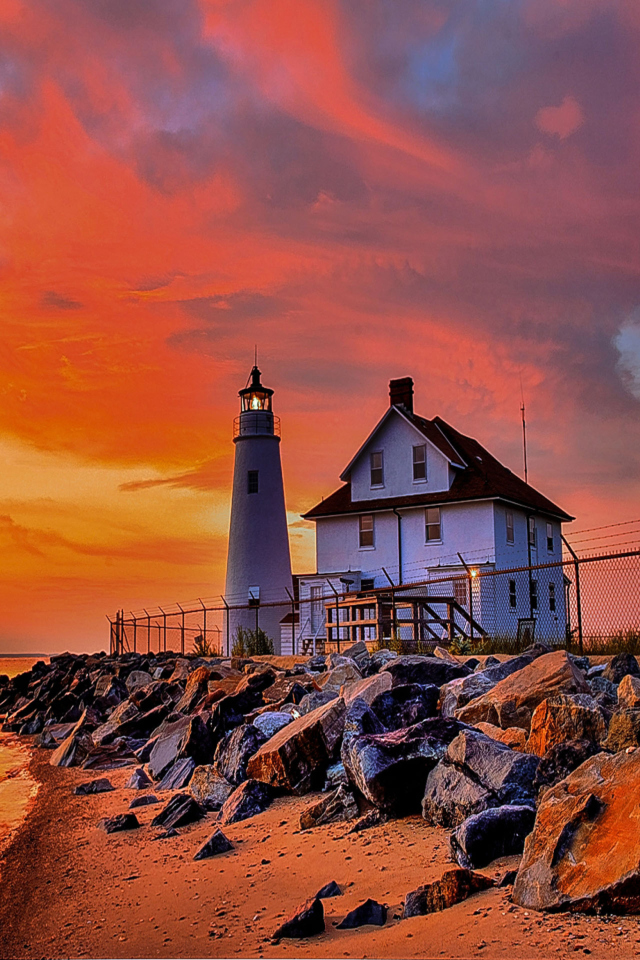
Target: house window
[460, 592]
[252, 481]
[432, 523]
[532, 532]
[366, 530]
[377, 472]
[512, 594]
[510, 537]
[533, 588]
[366, 584]
[420, 462]
[552, 597]
[550, 538]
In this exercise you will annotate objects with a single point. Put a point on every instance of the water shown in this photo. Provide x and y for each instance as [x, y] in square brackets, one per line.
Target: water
[17, 787]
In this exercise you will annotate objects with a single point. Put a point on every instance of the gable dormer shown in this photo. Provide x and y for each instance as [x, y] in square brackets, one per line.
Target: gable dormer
[404, 454]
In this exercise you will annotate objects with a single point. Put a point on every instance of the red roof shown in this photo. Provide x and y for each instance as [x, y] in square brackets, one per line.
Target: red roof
[483, 477]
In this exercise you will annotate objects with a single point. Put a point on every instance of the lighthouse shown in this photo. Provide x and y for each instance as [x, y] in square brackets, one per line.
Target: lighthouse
[258, 558]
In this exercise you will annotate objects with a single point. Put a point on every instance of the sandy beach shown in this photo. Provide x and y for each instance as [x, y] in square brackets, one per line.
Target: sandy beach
[70, 890]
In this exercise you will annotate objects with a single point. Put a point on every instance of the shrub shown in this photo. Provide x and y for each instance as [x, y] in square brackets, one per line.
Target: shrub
[202, 647]
[251, 643]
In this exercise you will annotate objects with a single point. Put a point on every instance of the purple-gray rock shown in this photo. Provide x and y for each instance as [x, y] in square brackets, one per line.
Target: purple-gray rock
[146, 800]
[122, 821]
[496, 832]
[138, 780]
[178, 812]
[217, 843]
[404, 705]
[369, 912]
[330, 889]
[178, 775]
[235, 750]
[423, 670]
[93, 786]
[307, 921]
[248, 800]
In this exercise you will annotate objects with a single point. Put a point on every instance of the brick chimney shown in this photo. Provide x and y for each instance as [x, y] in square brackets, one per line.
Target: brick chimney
[401, 393]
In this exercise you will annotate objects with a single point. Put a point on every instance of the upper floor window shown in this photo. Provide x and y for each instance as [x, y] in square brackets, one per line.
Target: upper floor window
[533, 594]
[550, 537]
[460, 591]
[420, 462]
[552, 597]
[377, 470]
[366, 530]
[252, 481]
[532, 532]
[512, 594]
[510, 536]
[432, 524]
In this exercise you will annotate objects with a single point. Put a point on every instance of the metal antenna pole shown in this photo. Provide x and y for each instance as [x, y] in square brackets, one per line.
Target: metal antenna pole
[524, 435]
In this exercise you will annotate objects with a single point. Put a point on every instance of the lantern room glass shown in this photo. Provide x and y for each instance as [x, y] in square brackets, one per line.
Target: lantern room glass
[256, 400]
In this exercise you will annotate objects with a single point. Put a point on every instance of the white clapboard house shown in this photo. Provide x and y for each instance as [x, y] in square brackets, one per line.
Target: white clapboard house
[422, 503]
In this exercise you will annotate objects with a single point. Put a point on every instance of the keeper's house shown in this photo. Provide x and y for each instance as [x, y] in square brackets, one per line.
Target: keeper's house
[420, 503]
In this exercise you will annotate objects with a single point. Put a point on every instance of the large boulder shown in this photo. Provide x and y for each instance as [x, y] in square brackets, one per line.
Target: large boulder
[423, 670]
[453, 887]
[367, 689]
[137, 679]
[459, 692]
[108, 731]
[338, 805]
[390, 769]
[248, 800]
[234, 752]
[311, 701]
[342, 675]
[620, 666]
[477, 773]
[178, 775]
[512, 701]
[624, 730]
[496, 832]
[184, 737]
[295, 759]
[563, 717]
[77, 746]
[560, 760]
[178, 812]
[629, 692]
[370, 912]
[582, 855]
[514, 737]
[209, 788]
[269, 723]
[405, 705]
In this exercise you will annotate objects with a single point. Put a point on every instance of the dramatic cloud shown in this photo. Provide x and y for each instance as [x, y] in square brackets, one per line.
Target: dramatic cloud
[365, 189]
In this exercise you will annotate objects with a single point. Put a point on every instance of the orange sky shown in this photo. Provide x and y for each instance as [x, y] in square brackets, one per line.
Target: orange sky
[366, 190]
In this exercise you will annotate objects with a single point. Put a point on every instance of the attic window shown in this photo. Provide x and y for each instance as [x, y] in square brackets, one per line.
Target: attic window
[420, 462]
[377, 471]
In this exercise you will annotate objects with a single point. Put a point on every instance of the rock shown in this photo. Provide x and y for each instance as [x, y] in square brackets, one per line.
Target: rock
[209, 788]
[629, 692]
[110, 690]
[582, 663]
[178, 775]
[122, 821]
[496, 832]
[458, 693]
[107, 732]
[358, 652]
[443, 654]
[596, 671]
[604, 692]
[453, 887]
[93, 786]
[166, 834]
[500, 670]
[514, 737]
[423, 670]
[624, 730]
[369, 912]
[512, 701]
[313, 700]
[307, 921]
[296, 757]
[234, 752]
[471, 663]
[563, 717]
[375, 818]
[248, 800]
[508, 879]
[137, 679]
[185, 737]
[560, 760]
[178, 812]
[582, 855]
[138, 780]
[345, 673]
[268, 724]
[338, 805]
[195, 689]
[33, 726]
[381, 657]
[336, 775]
[330, 889]
[75, 748]
[390, 769]
[289, 689]
[477, 773]
[217, 843]
[146, 800]
[620, 666]
[111, 756]
[404, 705]
[367, 689]
[196, 742]
[489, 661]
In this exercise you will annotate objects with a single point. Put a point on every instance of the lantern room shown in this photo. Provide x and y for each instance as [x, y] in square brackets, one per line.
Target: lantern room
[255, 397]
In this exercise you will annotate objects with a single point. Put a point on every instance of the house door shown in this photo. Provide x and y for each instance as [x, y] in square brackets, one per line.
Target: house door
[317, 609]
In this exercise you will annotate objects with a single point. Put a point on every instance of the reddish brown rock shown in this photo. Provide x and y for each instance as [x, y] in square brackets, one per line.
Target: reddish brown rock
[296, 757]
[367, 689]
[453, 887]
[582, 855]
[514, 737]
[629, 692]
[563, 718]
[513, 700]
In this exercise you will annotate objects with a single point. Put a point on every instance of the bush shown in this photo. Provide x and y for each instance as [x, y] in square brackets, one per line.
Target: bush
[202, 647]
[251, 643]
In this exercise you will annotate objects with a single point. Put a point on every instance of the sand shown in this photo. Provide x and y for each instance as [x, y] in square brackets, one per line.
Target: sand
[70, 890]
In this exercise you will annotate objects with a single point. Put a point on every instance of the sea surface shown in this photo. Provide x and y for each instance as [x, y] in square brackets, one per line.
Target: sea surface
[17, 787]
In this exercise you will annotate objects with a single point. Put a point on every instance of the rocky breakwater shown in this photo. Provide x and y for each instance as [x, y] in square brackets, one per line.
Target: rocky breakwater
[537, 754]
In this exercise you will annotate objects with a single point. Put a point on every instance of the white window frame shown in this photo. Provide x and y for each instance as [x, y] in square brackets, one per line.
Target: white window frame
[510, 527]
[366, 546]
[423, 447]
[532, 528]
[376, 453]
[427, 539]
[550, 538]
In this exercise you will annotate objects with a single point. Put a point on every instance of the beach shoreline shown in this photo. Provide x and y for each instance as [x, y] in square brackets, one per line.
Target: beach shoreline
[70, 890]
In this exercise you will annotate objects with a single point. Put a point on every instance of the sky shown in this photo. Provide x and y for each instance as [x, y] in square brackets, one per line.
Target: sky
[366, 189]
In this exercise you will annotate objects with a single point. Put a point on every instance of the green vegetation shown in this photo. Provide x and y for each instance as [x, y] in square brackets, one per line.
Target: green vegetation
[202, 647]
[251, 643]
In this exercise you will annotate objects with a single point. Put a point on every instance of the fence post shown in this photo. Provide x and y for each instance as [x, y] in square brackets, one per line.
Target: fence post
[181, 629]
[204, 623]
[148, 630]
[135, 631]
[576, 567]
[337, 596]
[293, 622]
[226, 614]
[394, 621]
[469, 575]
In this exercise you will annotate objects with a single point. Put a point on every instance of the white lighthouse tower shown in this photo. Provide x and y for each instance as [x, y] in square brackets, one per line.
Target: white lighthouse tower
[258, 559]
